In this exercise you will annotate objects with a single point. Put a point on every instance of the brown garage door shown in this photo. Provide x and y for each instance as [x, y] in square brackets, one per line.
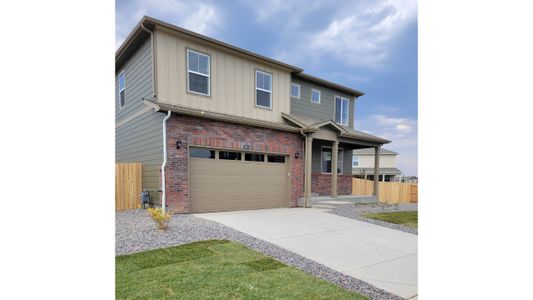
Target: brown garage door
[227, 180]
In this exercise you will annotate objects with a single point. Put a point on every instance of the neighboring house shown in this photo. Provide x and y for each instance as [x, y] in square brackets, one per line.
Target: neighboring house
[243, 131]
[409, 179]
[363, 164]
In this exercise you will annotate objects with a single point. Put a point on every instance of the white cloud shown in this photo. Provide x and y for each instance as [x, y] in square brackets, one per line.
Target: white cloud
[198, 16]
[360, 33]
[201, 19]
[287, 11]
[403, 134]
[269, 8]
[403, 127]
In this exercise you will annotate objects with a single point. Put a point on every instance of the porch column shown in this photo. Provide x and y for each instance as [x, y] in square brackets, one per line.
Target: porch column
[308, 170]
[334, 163]
[376, 171]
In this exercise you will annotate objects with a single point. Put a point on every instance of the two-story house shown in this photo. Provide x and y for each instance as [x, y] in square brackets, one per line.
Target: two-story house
[217, 127]
[363, 164]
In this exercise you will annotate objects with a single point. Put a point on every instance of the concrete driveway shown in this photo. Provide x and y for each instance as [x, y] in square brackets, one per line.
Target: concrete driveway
[383, 257]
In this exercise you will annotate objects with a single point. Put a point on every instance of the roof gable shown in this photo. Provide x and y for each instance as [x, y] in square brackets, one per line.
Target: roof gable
[310, 124]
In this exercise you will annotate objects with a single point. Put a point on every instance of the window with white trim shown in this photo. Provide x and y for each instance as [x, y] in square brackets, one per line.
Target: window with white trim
[263, 89]
[315, 96]
[326, 160]
[342, 106]
[355, 161]
[198, 73]
[295, 90]
[122, 89]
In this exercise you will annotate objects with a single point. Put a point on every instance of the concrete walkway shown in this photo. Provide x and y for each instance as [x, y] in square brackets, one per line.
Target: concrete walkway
[383, 257]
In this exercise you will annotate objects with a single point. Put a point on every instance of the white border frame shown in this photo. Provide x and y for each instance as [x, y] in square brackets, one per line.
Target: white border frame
[347, 110]
[256, 88]
[120, 90]
[299, 91]
[198, 73]
[357, 161]
[338, 160]
[319, 96]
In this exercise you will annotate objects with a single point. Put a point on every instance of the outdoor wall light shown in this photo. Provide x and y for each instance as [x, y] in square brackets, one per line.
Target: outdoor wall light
[178, 144]
[296, 155]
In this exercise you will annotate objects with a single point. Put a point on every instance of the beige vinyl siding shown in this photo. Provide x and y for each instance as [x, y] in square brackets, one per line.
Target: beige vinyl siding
[232, 80]
[323, 110]
[385, 161]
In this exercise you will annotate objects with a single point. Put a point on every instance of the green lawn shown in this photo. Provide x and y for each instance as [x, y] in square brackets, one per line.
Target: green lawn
[407, 218]
[216, 270]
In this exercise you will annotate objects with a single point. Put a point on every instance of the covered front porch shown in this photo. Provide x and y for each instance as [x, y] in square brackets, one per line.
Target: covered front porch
[328, 144]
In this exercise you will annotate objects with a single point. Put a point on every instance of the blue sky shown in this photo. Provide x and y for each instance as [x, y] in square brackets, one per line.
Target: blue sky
[369, 45]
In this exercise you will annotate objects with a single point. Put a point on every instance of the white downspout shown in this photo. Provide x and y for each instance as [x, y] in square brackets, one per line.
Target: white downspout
[163, 181]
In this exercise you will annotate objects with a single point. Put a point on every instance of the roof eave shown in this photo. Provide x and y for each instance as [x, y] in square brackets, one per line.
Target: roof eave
[370, 139]
[350, 91]
[151, 23]
[225, 117]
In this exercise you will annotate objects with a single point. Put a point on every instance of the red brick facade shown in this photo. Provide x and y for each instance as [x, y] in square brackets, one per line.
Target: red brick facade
[198, 131]
[321, 184]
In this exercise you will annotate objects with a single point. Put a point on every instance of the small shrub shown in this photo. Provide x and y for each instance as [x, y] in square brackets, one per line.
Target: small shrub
[160, 217]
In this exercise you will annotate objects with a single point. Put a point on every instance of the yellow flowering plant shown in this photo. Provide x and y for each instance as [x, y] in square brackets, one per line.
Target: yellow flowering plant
[162, 219]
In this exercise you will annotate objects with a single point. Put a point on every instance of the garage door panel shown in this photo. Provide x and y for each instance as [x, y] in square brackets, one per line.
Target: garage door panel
[230, 167]
[236, 181]
[241, 192]
[245, 202]
[219, 185]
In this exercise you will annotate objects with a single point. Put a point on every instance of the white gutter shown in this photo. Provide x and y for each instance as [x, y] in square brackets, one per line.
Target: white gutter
[163, 181]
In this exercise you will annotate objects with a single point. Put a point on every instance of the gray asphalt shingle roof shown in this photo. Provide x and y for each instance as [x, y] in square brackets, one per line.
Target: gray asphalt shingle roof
[308, 122]
[371, 151]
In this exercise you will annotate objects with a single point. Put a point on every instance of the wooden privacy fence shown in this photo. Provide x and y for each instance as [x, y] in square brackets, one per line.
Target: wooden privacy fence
[128, 184]
[389, 192]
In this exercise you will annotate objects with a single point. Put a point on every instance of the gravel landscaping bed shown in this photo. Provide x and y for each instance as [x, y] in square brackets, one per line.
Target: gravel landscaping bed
[136, 232]
[357, 211]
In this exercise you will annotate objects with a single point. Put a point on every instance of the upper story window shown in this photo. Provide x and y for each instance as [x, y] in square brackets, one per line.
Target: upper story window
[341, 110]
[326, 160]
[315, 96]
[199, 73]
[122, 89]
[355, 161]
[295, 90]
[263, 89]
